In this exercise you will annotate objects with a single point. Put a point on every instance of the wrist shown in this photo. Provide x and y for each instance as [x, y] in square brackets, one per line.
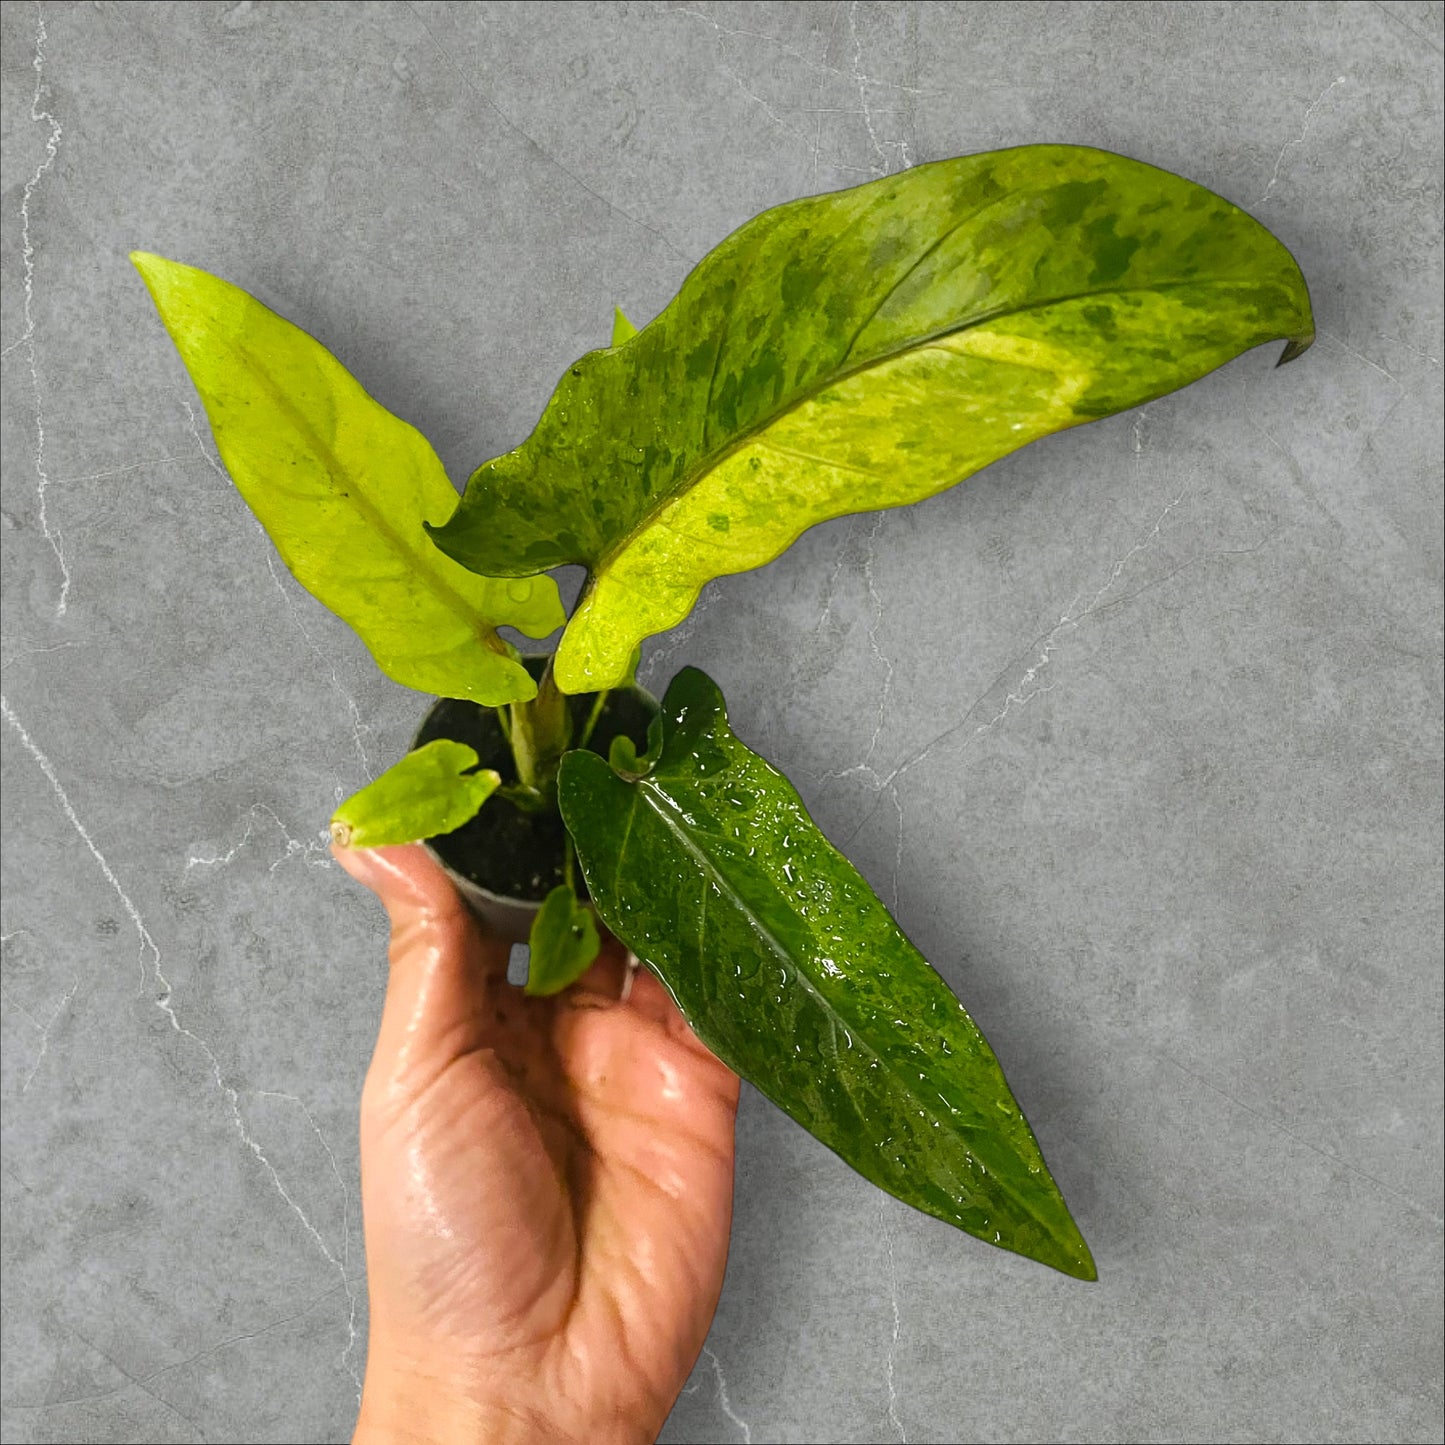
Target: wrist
[407, 1403]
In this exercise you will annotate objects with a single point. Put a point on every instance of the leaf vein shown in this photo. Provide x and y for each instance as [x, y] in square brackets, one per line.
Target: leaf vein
[710, 461]
[647, 788]
[448, 596]
[807, 456]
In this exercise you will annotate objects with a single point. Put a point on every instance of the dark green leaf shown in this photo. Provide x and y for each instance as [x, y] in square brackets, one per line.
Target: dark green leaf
[789, 968]
[344, 487]
[563, 943]
[429, 792]
[861, 350]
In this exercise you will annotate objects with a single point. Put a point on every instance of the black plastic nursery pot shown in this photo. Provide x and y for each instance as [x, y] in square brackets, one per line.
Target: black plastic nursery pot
[505, 860]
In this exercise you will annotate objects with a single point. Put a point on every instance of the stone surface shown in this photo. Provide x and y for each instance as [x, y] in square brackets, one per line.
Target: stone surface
[1139, 731]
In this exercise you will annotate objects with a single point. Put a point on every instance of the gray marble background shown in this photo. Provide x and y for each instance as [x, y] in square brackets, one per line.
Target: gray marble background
[1139, 730]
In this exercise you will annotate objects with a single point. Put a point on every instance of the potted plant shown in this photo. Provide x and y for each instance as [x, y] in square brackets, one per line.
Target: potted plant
[841, 353]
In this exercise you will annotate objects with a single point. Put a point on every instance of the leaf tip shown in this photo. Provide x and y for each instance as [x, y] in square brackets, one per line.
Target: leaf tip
[340, 833]
[1082, 1266]
[622, 328]
[1068, 1252]
[155, 270]
[438, 530]
[1295, 347]
[150, 268]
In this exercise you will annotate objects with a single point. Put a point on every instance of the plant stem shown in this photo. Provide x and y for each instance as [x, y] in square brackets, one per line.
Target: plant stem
[592, 718]
[540, 733]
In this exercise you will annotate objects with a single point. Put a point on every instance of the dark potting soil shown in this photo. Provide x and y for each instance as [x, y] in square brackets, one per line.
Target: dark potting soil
[507, 851]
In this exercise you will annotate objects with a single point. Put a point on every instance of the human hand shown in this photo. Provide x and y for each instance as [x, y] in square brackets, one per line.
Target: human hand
[546, 1187]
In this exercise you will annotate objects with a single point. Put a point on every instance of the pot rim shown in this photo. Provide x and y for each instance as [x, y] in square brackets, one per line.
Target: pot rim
[469, 885]
[472, 892]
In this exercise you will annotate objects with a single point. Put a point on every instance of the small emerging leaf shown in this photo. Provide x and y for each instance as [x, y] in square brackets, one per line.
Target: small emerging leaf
[622, 328]
[563, 943]
[867, 349]
[429, 792]
[793, 973]
[624, 757]
[344, 489]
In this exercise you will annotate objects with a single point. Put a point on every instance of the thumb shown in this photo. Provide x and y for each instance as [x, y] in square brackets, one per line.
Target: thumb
[445, 973]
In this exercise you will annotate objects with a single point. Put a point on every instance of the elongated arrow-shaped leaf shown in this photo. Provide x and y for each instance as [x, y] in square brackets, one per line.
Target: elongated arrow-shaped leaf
[789, 968]
[430, 791]
[344, 488]
[861, 350]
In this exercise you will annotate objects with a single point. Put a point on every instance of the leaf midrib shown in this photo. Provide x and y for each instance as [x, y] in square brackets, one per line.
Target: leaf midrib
[646, 788]
[715, 459]
[451, 600]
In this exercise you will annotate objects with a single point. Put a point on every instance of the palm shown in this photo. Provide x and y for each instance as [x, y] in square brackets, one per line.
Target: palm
[547, 1182]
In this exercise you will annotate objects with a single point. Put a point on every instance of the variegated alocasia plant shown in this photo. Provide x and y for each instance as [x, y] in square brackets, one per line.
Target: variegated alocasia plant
[841, 353]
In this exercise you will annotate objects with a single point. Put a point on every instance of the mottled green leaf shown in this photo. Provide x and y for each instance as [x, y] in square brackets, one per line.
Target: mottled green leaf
[562, 944]
[861, 350]
[344, 487]
[430, 791]
[790, 969]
